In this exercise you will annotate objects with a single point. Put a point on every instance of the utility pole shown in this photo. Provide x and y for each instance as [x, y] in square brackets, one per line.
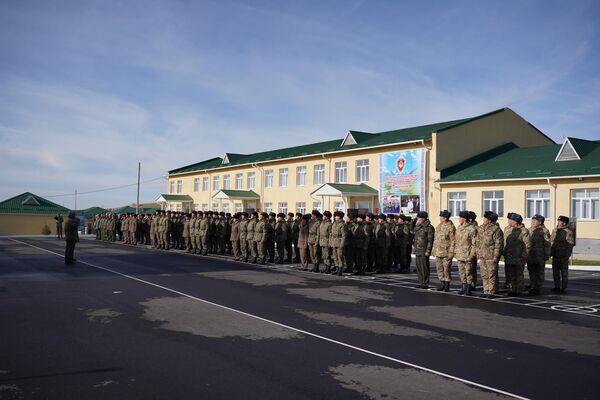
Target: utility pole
[137, 203]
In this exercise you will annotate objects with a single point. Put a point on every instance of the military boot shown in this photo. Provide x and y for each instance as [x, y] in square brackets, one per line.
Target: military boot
[468, 290]
[446, 286]
[442, 287]
[464, 289]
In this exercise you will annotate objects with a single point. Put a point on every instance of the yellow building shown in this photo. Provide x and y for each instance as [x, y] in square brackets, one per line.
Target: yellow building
[28, 214]
[404, 170]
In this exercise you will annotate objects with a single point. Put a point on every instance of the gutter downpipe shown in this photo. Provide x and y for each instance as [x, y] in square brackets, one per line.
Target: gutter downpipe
[328, 180]
[262, 184]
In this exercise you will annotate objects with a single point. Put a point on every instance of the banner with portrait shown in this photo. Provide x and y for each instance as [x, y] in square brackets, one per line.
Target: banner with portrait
[402, 181]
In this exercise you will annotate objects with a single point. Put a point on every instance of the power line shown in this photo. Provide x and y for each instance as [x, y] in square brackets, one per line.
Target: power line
[106, 189]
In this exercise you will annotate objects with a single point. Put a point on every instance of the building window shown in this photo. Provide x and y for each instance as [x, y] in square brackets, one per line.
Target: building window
[226, 182]
[317, 205]
[205, 187]
[239, 181]
[301, 207]
[584, 203]
[494, 201]
[179, 186]
[268, 207]
[283, 207]
[204, 207]
[251, 180]
[300, 176]
[341, 171]
[319, 175]
[215, 207]
[196, 184]
[269, 178]
[457, 202]
[215, 183]
[225, 208]
[339, 206]
[283, 177]
[172, 187]
[238, 207]
[537, 202]
[196, 207]
[178, 207]
[362, 170]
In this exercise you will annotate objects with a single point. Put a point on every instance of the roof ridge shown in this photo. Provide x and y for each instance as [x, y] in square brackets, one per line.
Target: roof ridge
[481, 157]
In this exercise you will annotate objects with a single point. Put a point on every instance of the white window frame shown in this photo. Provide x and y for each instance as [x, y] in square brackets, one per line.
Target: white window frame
[216, 183]
[179, 186]
[301, 175]
[283, 207]
[362, 170]
[457, 202]
[215, 207]
[196, 184]
[225, 208]
[269, 178]
[238, 207]
[205, 184]
[172, 187]
[494, 203]
[339, 206]
[268, 207]
[283, 177]
[319, 174]
[540, 205]
[205, 207]
[239, 181]
[585, 208]
[251, 180]
[318, 205]
[301, 207]
[226, 182]
[341, 172]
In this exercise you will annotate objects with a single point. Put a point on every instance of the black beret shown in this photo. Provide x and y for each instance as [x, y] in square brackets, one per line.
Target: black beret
[494, 217]
[422, 214]
[564, 219]
[445, 214]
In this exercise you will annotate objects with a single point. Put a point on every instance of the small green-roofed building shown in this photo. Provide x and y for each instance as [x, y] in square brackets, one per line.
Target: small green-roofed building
[29, 214]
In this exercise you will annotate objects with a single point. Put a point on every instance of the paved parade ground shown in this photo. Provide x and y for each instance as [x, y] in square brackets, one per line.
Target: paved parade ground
[135, 323]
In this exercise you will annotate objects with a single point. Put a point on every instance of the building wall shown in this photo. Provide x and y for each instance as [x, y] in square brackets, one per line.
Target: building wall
[468, 140]
[292, 193]
[515, 201]
[26, 224]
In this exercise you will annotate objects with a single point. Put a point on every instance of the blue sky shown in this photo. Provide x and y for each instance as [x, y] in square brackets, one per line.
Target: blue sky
[89, 88]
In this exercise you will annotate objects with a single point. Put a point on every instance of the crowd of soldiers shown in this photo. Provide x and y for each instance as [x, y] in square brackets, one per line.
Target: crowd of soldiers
[336, 244]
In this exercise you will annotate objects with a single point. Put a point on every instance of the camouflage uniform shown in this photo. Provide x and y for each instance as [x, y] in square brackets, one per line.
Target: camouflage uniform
[383, 237]
[251, 243]
[337, 241]
[281, 237]
[443, 250]
[203, 230]
[371, 258]
[473, 269]
[243, 239]
[562, 241]
[538, 254]
[350, 245]
[324, 231]
[423, 242]
[516, 249]
[260, 240]
[313, 242]
[361, 244]
[489, 245]
[465, 252]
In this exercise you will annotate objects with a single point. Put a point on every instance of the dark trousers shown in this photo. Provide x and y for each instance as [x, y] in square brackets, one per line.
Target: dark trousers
[423, 269]
[69, 251]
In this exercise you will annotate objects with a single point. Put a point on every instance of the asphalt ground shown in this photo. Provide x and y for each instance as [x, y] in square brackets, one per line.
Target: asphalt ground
[136, 323]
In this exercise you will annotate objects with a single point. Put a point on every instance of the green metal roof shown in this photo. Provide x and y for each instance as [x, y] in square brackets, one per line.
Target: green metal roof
[176, 197]
[29, 203]
[240, 193]
[364, 140]
[92, 211]
[352, 188]
[511, 162]
[131, 210]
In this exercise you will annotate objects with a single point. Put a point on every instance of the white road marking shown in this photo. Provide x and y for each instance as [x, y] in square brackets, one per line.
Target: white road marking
[307, 333]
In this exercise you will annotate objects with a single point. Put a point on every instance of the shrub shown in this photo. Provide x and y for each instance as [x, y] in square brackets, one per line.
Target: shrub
[45, 230]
